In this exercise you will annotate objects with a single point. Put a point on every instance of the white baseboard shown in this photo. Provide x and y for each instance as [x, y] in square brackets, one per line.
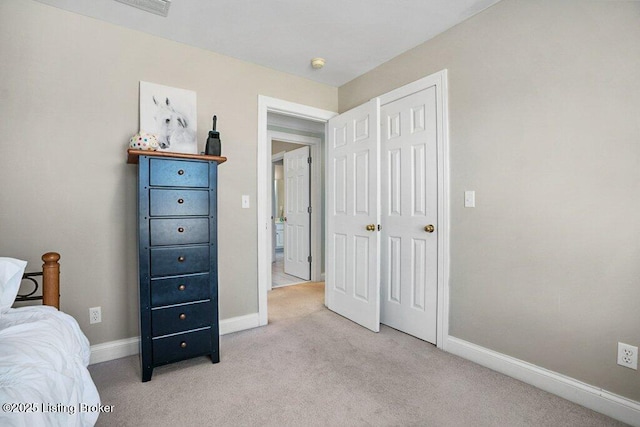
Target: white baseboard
[239, 323]
[599, 400]
[114, 350]
[129, 346]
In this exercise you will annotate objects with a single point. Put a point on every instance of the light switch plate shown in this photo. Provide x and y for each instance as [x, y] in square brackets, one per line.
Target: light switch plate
[245, 201]
[470, 199]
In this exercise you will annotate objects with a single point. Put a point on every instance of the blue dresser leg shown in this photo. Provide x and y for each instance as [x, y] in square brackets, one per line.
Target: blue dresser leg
[146, 373]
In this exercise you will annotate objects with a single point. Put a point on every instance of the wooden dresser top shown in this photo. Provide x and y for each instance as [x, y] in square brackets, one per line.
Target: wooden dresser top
[133, 155]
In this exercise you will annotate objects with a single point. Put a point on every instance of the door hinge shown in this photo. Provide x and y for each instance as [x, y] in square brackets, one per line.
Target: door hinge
[309, 160]
[309, 209]
[309, 258]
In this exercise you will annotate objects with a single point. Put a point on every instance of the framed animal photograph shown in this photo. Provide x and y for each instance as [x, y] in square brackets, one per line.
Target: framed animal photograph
[170, 114]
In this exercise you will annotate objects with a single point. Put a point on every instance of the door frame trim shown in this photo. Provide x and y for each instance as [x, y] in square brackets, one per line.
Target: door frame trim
[263, 197]
[440, 81]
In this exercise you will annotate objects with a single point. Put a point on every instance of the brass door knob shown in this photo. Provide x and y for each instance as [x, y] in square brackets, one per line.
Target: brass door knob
[182, 316]
[371, 227]
[429, 228]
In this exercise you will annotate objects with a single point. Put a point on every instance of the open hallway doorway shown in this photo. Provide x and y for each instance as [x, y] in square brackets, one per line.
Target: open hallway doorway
[283, 121]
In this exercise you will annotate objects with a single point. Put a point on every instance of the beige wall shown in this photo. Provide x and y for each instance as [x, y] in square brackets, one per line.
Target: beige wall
[280, 146]
[69, 102]
[544, 126]
[544, 108]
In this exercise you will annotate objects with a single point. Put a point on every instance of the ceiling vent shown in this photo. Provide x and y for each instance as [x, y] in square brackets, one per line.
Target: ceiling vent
[159, 7]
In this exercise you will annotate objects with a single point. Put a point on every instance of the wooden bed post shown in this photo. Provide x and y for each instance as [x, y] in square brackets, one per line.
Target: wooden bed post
[51, 279]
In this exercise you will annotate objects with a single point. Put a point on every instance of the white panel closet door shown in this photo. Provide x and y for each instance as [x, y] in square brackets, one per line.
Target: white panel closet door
[409, 248]
[352, 247]
[297, 226]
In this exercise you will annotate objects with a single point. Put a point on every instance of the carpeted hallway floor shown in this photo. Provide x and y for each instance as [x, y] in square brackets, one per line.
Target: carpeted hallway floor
[311, 367]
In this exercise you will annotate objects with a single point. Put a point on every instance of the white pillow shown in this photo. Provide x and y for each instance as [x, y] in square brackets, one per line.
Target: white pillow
[11, 271]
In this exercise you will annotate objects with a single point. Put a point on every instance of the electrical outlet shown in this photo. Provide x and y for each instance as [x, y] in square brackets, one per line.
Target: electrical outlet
[95, 315]
[627, 356]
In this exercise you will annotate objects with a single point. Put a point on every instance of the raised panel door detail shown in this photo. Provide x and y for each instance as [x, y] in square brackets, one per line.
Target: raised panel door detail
[361, 129]
[418, 273]
[417, 119]
[361, 267]
[394, 266]
[418, 171]
[362, 184]
[340, 136]
[296, 238]
[340, 186]
[393, 126]
[339, 262]
[394, 183]
[301, 231]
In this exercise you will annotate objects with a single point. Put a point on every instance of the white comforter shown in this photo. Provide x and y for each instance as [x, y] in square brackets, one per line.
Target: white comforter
[44, 379]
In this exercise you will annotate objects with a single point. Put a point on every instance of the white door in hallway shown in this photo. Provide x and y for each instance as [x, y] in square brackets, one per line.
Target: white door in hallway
[352, 246]
[409, 193]
[297, 227]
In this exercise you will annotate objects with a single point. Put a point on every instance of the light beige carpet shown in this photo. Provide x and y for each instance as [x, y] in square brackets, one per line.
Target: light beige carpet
[311, 367]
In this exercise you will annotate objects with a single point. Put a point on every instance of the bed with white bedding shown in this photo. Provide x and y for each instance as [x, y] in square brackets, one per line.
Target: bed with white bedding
[44, 355]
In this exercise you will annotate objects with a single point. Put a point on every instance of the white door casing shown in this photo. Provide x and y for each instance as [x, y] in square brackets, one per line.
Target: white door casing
[352, 250]
[409, 200]
[297, 215]
[264, 183]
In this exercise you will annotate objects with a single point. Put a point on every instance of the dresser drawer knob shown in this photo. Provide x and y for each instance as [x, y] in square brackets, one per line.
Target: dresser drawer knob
[182, 316]
[180, 229]
[181, 172]
[182, 287]
[180, 201]
[181, 258]
[183, 344]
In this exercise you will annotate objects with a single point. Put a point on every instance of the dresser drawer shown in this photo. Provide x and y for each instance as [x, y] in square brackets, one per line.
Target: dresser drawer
[181, 346]
[178, 173]
[179, 231]
[179, 318]
[177, 290]
[176, 261]
[178, 202]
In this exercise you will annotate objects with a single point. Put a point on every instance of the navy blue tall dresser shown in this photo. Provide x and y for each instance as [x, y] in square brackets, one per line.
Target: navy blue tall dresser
[178, 267]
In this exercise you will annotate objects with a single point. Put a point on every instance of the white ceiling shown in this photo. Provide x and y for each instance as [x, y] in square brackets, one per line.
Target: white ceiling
[354, 36]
